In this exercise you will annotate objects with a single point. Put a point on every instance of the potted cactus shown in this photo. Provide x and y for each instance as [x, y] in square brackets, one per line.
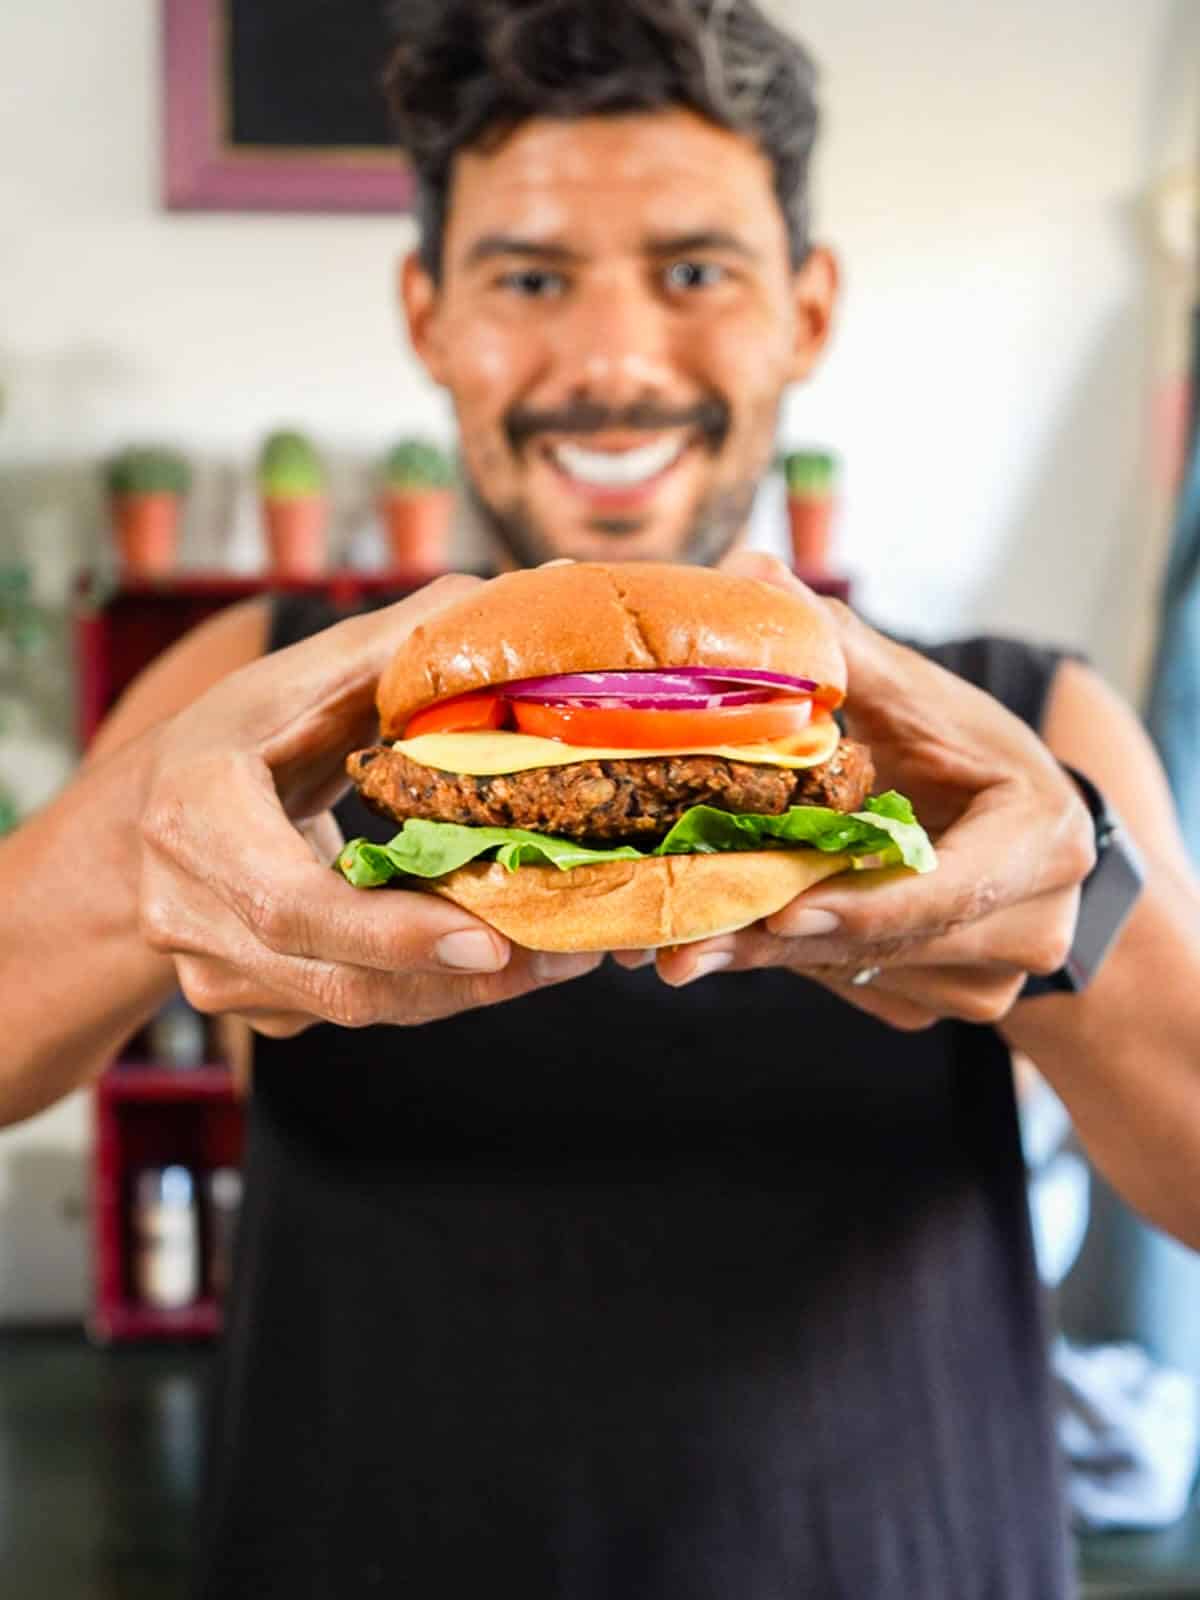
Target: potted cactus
[416, 503]
[811, 477]
[146, 487]
[291, 484]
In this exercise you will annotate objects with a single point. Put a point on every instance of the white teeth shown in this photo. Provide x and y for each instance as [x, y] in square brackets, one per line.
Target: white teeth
[619, 469]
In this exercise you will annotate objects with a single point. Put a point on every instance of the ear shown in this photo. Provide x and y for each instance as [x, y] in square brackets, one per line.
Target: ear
[815, 291]
[421, 305]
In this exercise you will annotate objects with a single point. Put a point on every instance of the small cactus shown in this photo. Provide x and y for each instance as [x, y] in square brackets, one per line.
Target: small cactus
[289, 468]
[414, 465]
[148, 469]
[810, 473]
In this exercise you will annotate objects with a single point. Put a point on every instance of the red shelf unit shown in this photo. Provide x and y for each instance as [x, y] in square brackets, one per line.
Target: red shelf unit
[145, 1114]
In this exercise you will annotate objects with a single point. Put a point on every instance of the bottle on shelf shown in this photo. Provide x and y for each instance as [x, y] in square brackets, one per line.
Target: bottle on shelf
[166, 1235]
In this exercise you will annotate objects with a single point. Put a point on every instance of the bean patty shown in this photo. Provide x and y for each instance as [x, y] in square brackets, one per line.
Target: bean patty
[607, 802]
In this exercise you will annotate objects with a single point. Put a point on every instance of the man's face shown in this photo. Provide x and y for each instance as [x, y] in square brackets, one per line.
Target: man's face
[617, 321]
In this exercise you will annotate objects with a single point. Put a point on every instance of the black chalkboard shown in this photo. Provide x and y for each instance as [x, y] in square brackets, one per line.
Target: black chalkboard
[306, 73]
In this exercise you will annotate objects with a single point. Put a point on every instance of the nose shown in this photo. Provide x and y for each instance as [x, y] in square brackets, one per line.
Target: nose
[614, 347]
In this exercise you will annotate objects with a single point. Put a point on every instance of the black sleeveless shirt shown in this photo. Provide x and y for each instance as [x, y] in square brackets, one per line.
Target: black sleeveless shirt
[617, 1292]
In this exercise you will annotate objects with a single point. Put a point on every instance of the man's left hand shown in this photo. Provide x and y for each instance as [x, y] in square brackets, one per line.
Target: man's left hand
[1014, 842]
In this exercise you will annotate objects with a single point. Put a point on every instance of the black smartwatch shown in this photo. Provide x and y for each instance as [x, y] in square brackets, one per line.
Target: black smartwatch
[1110, 891]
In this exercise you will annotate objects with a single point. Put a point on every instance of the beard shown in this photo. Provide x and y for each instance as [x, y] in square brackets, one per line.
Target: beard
[716, 527]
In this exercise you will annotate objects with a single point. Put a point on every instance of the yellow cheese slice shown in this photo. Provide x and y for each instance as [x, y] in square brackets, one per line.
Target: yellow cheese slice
[489, 754]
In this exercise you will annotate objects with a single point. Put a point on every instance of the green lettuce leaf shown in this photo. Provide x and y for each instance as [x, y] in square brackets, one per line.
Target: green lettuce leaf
[424, 849]
[886, 832]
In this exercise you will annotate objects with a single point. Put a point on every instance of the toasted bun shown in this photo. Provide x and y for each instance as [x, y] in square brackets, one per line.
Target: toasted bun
[635, 905]
[604, 617]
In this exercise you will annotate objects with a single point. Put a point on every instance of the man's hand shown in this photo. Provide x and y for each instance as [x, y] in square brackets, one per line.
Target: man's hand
[237, 840]
[1014, 840]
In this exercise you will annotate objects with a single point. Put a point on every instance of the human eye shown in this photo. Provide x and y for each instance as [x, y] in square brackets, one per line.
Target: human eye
[534, 283]
[688, 276]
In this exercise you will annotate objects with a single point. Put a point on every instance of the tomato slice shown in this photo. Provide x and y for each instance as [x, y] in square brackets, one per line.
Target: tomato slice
[467, 713]
[619, 727]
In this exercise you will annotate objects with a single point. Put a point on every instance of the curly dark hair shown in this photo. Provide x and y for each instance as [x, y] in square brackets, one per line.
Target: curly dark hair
[466, 73]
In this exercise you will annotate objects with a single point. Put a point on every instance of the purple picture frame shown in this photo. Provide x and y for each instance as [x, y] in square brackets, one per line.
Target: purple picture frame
[204, 171]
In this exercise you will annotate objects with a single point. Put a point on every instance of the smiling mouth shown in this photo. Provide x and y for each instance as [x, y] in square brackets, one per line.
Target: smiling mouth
[618, 472]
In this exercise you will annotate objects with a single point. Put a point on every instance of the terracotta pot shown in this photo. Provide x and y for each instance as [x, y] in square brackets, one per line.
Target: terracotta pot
[297, 546]
[147, 530]
[417, 525]
[812, 527]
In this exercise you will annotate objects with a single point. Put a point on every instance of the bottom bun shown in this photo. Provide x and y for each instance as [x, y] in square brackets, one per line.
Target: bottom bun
[636, 905]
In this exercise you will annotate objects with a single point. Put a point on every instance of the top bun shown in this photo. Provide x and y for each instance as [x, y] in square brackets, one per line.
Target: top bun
[591, 616]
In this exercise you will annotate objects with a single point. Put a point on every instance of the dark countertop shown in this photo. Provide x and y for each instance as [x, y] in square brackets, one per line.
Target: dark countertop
[101, 1450]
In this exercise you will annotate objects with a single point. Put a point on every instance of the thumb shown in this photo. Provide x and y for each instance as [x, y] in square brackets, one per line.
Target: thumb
[758, 564]
[329, 680]
[766, 568]
[359, 648]
[879, 672]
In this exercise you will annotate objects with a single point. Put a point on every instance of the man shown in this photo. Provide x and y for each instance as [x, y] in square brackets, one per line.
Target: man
[622, 1286]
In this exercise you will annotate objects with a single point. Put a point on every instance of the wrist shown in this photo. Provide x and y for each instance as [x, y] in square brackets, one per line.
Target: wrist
[116, 788]
[79, 978]
[1107, 896]
[88, 861]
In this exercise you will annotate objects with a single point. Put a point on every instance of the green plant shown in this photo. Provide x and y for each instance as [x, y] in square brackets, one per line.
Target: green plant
[413, 465]
[289, 468]
[21, 622]
[148, 469]
[810, 473]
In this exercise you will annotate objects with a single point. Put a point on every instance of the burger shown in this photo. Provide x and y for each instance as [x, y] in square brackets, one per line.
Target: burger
[595, 756]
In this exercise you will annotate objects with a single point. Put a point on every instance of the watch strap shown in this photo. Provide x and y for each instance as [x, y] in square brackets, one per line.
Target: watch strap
[1108, 895]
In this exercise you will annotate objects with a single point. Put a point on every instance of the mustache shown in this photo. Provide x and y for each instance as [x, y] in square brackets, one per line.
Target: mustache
[709, 417]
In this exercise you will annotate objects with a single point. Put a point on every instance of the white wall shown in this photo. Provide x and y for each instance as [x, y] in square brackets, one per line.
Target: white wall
[981, 176]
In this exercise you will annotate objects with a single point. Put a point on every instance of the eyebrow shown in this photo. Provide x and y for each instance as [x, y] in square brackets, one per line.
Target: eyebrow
[496, 246]
[493, 246]
[682, 244]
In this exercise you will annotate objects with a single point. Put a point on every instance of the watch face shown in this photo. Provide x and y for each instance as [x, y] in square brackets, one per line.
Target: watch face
[1109, 895]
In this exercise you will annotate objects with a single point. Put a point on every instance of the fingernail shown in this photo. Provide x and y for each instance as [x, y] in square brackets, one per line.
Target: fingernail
[714, 961]
[469, 951]
[560, 561]
[551, 966]
[631, 960]
[804, 924]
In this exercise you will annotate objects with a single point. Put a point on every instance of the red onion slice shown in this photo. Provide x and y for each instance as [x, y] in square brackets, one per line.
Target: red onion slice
[687, 686]
[766, 680]
[661, 702]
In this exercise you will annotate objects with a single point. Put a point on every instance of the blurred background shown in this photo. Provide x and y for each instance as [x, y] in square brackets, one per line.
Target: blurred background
[997, 440]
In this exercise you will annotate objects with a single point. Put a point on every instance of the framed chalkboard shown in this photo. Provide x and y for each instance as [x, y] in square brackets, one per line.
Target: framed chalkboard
[276, 105]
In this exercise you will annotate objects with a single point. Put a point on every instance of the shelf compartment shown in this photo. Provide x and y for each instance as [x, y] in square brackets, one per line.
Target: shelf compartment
[144, 1081]
[148, 1115]
[127, 1320]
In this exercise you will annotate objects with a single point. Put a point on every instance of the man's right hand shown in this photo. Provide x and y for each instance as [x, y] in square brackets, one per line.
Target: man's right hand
[236, 841]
